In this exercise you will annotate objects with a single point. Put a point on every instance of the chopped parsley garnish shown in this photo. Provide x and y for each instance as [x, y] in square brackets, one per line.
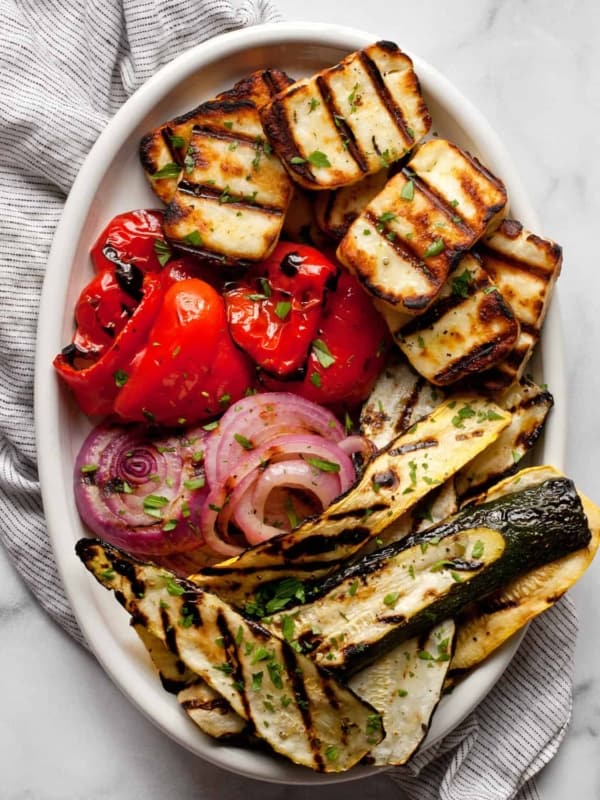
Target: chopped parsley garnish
[169, 525]
[323, 353]
[315, 379]
[265, 286]
[210, 426]
[391, 599]
[108, 574]
[193, 238]
[353, 98]
[195, 483]
[174, 588]
[163, 251]
[466, 412]
[408, 190]
[332, 753]
[226, 668]
[243, 441]
[170, 170]
[297, 160]
[290, 511]
[312, 104]
[86, 469]
[120, 377]
[353, 587]
[319, 159]
[257, 678]
[283, 308]
[153, 503]
[460, 284]
[177, 141]
[287, 627]
[435, 248]
[322, 464]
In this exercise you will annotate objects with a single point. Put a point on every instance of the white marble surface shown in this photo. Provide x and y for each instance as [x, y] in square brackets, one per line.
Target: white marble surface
[532, 67]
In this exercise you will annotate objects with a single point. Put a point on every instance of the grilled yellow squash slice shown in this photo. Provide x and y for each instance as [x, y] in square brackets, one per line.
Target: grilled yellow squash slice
[468, 328]
[297, 708]
[403, 245]
[492, 621]
[405, 686]
[348, 121]
[524, 267]
[163, 150]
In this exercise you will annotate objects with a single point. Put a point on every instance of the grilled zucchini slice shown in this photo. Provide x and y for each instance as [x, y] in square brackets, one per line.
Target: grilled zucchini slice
[163, 150]
[400, 398]
[488, 624]
[403, 245]
[524, 267]
[393, 481]
[529, 406]
[337, 209]
[296, 707]
[348, 121]
[468, 328]
[400, 591]
[405, 686]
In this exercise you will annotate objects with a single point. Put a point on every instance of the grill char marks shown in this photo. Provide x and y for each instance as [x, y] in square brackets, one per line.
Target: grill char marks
[167, 144]
[524, 267]
[469, 327]
[411, 235]
[339, 108]
[294, 695]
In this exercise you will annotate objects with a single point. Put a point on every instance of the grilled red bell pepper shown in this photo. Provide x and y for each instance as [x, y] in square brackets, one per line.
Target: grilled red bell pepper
[134, 237]
[274, 312]
[347, 353]
[190, 369]
[94, 379]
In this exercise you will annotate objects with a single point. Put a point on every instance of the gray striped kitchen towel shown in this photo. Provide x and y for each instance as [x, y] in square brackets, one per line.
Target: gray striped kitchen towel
[65, 68]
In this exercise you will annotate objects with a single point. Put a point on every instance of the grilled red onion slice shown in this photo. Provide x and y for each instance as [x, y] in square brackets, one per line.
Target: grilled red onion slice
[244, 498]
[142, 494]
[257, 419]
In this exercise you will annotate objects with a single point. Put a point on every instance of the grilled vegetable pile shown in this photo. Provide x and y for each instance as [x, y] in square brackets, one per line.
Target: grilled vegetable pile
[381, 542]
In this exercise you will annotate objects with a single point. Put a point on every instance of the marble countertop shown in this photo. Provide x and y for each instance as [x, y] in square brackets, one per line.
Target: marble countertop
[531, 66]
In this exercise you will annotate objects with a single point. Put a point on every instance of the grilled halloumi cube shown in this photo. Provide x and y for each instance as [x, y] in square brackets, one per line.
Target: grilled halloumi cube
[350, 120]
[524, 267]
[163, 150]
[337, 209]
[402, 246]
[230, 204]
[468, 328]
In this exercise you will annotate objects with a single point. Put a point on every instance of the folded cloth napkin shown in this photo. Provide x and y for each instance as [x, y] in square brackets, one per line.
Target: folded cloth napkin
[65, 68]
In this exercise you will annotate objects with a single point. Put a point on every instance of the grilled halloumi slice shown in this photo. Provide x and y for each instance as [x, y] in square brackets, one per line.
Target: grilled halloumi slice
[529, 405]
[403, 245]
[400, 398]
[163, 150]
[524, 267]
[468, 328]
[336, 210]
[230, 204]
[348, 121]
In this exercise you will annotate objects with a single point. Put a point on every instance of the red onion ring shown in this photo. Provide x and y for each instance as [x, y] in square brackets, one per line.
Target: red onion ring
[139, 493]
[259, 418]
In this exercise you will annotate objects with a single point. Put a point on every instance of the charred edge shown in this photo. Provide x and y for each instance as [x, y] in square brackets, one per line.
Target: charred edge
[472, 361]
[385, 96]
[528, 438]
[411, 447]
[438, 310]
[542, 398]
[237, 137]
[169, 631]
[232, 655]
[276, 80]
[295, 676]
[128, 571]
[404, 420]
[483, 170]
[190, 609]
[488, 253]
[171, 685]
[146, 152]
[207, 255]
[321, 543]
[344, 131]
[277, 129]
[262, 569]
[176, 153]
[453, 214]
[205, 192]
[215, 704]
